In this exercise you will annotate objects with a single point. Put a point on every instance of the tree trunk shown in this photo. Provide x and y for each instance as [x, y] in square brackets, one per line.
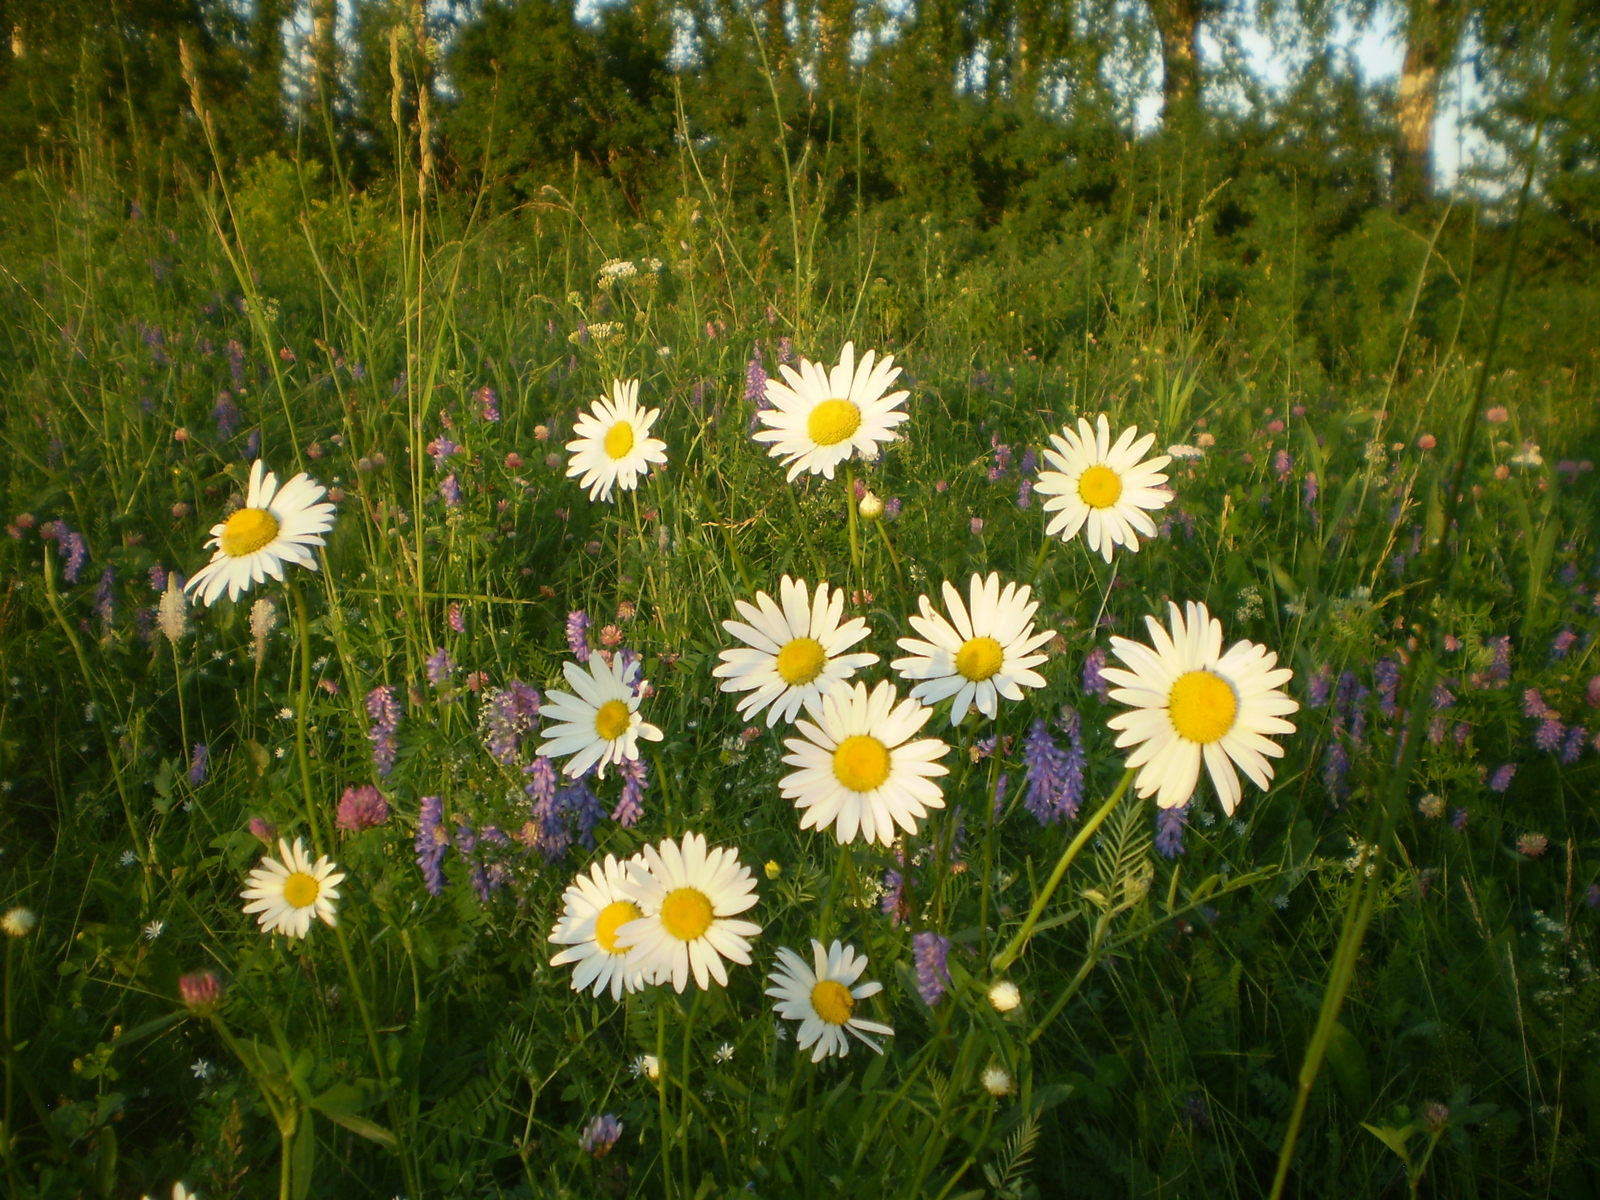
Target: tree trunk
[1178, 24]
[1430, 42]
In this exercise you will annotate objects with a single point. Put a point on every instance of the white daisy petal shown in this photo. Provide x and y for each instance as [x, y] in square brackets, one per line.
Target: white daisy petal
[1099, 488]
[273, 528]
[687, 897]
[820, 996]
[614, 449]
[286, 895]
[819, 418]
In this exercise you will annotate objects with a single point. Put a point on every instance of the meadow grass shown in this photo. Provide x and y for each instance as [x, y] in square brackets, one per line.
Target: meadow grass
[426, 362]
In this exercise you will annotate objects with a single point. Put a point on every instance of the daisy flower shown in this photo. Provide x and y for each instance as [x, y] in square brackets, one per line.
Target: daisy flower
[979, 655]
[1192, 702]
[614, 447]
[819, 418]
[1102, 488]
[275, 526]
[601, 724]
[795, 652]
[689, 897]
[288, 894]
[824, 1000]
[595, 907]
[860, 770]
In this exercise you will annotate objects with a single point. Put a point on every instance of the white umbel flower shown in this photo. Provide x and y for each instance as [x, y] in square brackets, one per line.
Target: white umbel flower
[613, 447]
[794, 652]
[287, 894]
[820, 418]
[859, 768]
[594, 908]
[980, 654]
[824, 999]
[275, 526]
[690, 897]
[1100, 488]
[601, 724]
[1192, 702]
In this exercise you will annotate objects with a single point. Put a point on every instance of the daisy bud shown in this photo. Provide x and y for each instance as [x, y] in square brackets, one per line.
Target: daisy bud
[200, 992]
[871, 506]
[1005, 996]
[997, 1080]
[19, 922]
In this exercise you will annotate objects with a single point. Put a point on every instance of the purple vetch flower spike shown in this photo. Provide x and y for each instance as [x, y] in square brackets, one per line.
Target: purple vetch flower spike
[1001, 785]
[235, 354]
[104, 601]
[510, 715]
[895, 906]
[1094, 662]
[453, 616]
[1549, 735]
[1046, 771]
[226, 415]
[450, 491]
[199, 764]
[439, 666]
[635, 782]
[549, 830]
[252, 446]
[1170, 824]
[1533, 705]
[891, 508]
[158, 579]
[1458, 820]
[440, 450]
[488, 404]
[1562, 644]
[1072, 769]
[1500, 668]
[1570, 752]
[74, 549]
[1319, 686]
[1030, 461]
[1308, 491]
[578, 635]
[1282, 464]
[432, 842]
[1500, 781]
[1387, 676]
[1025, 493]
[929, 952]
[755, 379]
[1443, 697]
[579, 800]
[1335, 765]
[383, 709]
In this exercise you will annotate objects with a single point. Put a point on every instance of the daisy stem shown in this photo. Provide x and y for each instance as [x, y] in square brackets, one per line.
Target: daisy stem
[1010, 954]
[1038, 559]
[177, 686]
[727, 536]
[683, 1084]
[805, 532]
[303, 622]
[1106, 595]
[988, 840]
[823, 922]
[883, 532]
[661, 1095]
[850, 510]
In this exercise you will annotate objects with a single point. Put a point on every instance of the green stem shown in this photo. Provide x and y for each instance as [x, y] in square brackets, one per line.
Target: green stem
[1038, 559]
[301, 713]
[805, 532]
[727, 536]
[1009, 955]
[1096, 942]
[988, 840]
[683, 1085]
[850, 510]
[661, 1094]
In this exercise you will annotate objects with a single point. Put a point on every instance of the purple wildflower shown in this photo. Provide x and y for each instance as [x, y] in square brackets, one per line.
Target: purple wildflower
[439, 667]
[1094, 662]
[158, 578]
[1319, 686]
[1533, 705]
[252, 446]
[578, 635]
[755, 379]
[1500, 668]
[361, 808]
[488, 404]
[71, 547]
[891, 508]
[785, 350]
[929, 951]
[549, 832]
[1046, 766]
[432, 842]
[450, 491]
[635, 782]
[1170, 823]
[1443, 697]
[1335, 764]
[1549, 734]
[1030, 461]
[1458, 820]
[510, 714]
[1387, 676]
[1593, 691]
[263, 830]
[1308, 490]
[1071, 795]
[1002, 457]
[453, 616]
[440, 449]
[1282, 464]
[1501, 779]
[383, 709]
[895, 905]
[1576, 736]
[1025, 493]
[226, 415]
[599, 1135]
[235, 354]
[104, 602]
[1563, 643]
[1592, 896]
[199, 764]
[1001, 786]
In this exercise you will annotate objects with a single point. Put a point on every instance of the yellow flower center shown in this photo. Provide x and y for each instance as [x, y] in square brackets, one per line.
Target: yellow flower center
[1202, 706]
[861, 763]
[832, 421]
[686, 914]
[247, 531]
[301, 890]
[980, 658]
[833, 1001]
[612, 918]
[1100, 487]
[611, 720]
[801, 661]
[619, 439]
